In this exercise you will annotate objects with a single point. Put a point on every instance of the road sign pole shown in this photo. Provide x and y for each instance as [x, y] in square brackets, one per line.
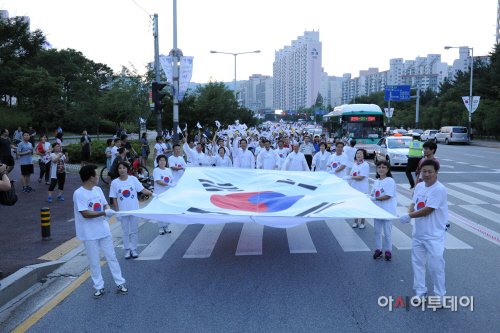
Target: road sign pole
[418, 105]
[389, 113]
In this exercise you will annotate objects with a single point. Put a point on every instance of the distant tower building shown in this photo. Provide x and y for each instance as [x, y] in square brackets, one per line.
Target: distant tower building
[498, 23]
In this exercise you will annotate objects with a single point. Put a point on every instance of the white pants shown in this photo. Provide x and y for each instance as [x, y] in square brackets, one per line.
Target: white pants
[106, 245]
[430, 252]
[129, 227]
[387, 225]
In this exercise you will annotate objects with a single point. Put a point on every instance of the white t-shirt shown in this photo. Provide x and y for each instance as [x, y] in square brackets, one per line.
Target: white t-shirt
[432, 226]
[114, 152]
[53, 169]
[282, 153]
[361, 169]
[177, 162]
[125, 192]
[160, 150]
[320, 160]
[386, 187]
[335, 162]
[350, 153]
[95, 228]
[166, 176]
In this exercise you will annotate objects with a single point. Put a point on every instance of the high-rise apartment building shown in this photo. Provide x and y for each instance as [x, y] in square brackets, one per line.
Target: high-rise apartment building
[256, 93]
[297, 73]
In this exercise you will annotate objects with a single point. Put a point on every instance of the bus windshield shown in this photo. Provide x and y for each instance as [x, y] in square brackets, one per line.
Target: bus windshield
[364, 130]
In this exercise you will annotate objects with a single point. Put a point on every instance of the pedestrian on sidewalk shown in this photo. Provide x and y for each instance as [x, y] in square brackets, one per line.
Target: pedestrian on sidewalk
[32, 134]
[359, 179]
[429, 208]
[384, 195]
[92, 228]
[25, 150]
[5, 150]
[58, 172]
[163, 182]
[123, 192]
[85, 140]
[43, 150]
[17, 138]
[145, 148]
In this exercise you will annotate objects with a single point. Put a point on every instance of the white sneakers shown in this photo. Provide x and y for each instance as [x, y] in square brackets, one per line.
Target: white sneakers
[127, 254]
[355, 225]
[134, 253]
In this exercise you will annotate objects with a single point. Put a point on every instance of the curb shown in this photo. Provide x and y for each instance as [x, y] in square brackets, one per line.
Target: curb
[17, 283]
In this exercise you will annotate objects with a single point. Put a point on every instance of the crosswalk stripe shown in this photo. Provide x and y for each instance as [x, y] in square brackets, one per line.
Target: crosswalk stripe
[462, 163]
[399, 239]
[464, 197]
[299, 239]
[346, 236]
[445, 159]
[204, 243]
[495, 187]
[160, 245]
[479, 191]
[479, 166]
[447, 166]
[250, 242]
[483, 212]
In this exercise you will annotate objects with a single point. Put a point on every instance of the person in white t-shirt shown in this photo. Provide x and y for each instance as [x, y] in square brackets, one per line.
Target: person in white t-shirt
[163, 181]
[176, 163]
[337, 162]
[359, 179]
[92, 228]
[160, 149]
[196, 156]
[430, 211]
[282, 153]
[221, 160]
[242, 157]
[123, 192]
[320, 160]
[384, 195]
[350, 152]
[114, 150]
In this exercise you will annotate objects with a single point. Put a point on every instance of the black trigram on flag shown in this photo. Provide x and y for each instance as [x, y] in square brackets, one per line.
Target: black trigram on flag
[211, 186]
[291, 182]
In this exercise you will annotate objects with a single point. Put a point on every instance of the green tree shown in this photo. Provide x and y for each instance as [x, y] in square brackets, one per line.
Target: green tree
[319, 101]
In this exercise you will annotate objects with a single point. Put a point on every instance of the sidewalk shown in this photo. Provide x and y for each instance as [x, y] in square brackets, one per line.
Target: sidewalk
[485, 143]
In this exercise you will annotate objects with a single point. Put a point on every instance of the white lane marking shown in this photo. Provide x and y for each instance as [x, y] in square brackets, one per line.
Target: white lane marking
[479, 166]
[160, 245]
[473, 155]
[495, 187]
[462, 163]
[447, 166]
[204, 243]
[346, 236]
[495, 217]
[445, 159]
[465, 197]
[299, 239]
[487, 194]
[399, 239]
[250, 242]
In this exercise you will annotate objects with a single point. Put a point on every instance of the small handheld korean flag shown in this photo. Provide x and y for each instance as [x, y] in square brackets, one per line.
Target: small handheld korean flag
[185, 128]
[237, 122]
[198, 125]
[179, 130]
[217, 124]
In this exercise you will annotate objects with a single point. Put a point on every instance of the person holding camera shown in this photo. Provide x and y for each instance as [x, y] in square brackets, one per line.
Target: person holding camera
[58, 171]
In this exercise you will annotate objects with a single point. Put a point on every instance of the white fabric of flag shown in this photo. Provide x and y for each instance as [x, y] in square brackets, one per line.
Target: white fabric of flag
[198, 125]
[179, 130]
[217, 124]
[273, 198]
[475, 102]
[166, 64]
[186, 72]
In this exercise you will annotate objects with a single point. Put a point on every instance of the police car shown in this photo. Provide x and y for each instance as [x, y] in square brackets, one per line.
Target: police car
[394, 149]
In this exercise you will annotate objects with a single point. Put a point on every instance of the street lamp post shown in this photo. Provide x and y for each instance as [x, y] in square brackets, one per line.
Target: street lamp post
[235, 54]
[470, 91]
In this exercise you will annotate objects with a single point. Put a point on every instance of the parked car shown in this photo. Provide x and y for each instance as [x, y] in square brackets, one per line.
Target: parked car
[451, 134]
[428, 135]
[394, 149]
[400, 131]
[410, 132]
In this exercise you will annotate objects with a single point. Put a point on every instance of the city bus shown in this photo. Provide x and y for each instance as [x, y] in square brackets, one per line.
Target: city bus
[363, 122]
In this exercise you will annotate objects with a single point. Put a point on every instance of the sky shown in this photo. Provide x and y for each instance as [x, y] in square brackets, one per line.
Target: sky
[356, 34]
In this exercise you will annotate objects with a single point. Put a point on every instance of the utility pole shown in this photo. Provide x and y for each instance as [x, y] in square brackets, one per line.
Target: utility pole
[176, 78]
[418, 105]
[157, 69]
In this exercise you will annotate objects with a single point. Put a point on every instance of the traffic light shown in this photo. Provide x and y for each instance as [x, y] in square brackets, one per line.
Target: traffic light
[158, 96]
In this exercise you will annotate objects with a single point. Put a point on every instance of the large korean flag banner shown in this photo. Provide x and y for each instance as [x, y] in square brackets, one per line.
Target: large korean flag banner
[279, 199]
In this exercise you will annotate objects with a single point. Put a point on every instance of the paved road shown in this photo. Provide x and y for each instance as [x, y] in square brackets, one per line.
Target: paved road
[199, 284]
